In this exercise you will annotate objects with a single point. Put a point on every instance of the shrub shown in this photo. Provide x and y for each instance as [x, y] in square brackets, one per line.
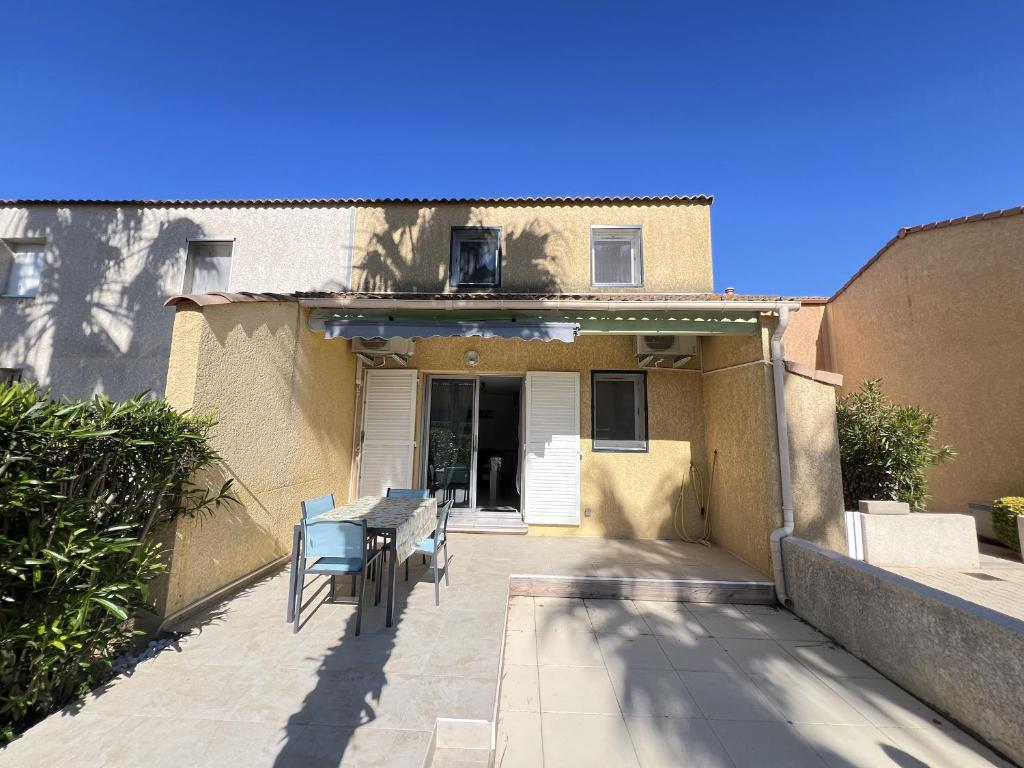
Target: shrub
[885, 448]
[1005, 512]
[82, 487]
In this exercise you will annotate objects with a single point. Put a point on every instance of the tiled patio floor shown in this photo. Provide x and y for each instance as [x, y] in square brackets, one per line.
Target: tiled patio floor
[242, 690]
[624, 683]
[998, 582]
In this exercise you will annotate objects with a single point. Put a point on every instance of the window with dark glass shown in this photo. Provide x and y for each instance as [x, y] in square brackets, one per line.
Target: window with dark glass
[476, 257]
[619, 404]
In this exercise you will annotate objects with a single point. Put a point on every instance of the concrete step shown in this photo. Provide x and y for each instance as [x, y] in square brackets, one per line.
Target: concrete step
[501, 521]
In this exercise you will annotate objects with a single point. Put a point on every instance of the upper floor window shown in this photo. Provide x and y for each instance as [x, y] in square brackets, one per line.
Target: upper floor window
[616, 255]
[207, 267]
[476, 257]
[25, 266]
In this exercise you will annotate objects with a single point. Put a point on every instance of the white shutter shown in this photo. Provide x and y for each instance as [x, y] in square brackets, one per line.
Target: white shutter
[552, 466]
[389, 430]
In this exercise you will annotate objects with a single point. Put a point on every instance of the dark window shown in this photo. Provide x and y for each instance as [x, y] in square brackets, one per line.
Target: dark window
[619, 404]
[476, 256]
[10, 375]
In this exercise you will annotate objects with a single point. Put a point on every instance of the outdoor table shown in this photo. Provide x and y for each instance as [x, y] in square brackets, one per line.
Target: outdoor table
[404, 522]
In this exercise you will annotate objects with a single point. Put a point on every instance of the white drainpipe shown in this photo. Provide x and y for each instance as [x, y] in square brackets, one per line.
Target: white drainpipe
[785, 473]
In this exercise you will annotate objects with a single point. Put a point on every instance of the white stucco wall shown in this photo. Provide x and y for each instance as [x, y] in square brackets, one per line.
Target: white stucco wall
[98, 323]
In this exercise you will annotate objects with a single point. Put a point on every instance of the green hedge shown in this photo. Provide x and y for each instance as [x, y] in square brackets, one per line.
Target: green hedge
[83, 485]
[1005, 512]
[885, 448]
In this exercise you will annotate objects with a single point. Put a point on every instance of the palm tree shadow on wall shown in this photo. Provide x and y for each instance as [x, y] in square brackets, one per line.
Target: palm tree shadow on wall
[100, 306]
[410, 252]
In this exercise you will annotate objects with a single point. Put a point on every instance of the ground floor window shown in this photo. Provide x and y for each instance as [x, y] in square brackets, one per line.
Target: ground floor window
[619, 405]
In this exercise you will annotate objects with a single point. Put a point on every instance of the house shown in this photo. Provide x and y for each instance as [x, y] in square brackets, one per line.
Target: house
[556, 366]
[936, 315]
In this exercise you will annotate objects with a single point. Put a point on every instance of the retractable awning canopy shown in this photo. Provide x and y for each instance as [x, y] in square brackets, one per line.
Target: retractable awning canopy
[398, 327]
[546, 325]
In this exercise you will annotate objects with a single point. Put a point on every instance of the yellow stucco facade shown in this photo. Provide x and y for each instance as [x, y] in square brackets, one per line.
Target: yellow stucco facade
[937, 317]
[545, 246]
[283, 399]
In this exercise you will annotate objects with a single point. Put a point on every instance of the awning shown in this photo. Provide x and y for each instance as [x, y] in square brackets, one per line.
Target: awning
[410, 328]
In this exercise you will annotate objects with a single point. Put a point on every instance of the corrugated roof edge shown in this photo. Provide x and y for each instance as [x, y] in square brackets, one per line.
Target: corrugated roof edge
[346, 201]
[904, 231]
[212, 299]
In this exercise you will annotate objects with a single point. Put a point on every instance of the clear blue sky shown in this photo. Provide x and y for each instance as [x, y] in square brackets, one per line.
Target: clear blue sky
[820, 127]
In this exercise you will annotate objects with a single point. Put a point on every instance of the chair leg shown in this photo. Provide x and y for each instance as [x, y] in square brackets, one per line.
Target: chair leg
[359, 605]
[300, 583]
[424, 559]
[437, 581]
[446, 582]
[407, 569]
[380, 582]
[334, 584]
[354, 580]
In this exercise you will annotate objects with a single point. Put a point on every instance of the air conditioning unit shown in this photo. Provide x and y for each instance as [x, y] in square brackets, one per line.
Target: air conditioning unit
[373, 348]
[664, 350]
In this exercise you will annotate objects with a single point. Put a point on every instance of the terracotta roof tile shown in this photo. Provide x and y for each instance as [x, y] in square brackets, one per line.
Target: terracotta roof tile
[347, 201]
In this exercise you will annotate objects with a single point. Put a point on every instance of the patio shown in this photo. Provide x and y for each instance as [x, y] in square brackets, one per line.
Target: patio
[241, 689]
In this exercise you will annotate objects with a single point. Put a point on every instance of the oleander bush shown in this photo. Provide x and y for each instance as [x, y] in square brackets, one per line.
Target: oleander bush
[83, 487]
[1005, 512]
[885, 448]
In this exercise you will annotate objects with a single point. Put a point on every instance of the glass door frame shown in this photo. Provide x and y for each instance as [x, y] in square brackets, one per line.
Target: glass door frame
[425, 453]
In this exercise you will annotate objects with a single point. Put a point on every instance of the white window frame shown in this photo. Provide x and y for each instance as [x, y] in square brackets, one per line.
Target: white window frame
[637, 263]
[455, 264]
[641, 440]
[188, 277]
[12, 246]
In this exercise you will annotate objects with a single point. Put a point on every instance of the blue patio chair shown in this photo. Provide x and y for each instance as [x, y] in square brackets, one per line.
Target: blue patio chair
[434, 546]
[333, 548]
[409, 493]
[317, 506]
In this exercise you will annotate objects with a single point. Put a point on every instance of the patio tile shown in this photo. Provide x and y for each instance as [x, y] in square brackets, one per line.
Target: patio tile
[662, 742]
[699, 654]
[242, 743]
[943, 748]
[616, 617]
[725, 621]
[728, 696]
[95, 736]
[577, 689]
[757, 656]
[884, 703]
[520, 614]
[459, 656]
[750, 744]
[640, 652]
[419, 701]
[853, 746]
[570, 649]
[520, 647]
[651, 693]
[561, 615]
[670, 619]
[520, 689]
[518, 743]
[827, 660]
[784, 625]
[803, 698]
[584, 741]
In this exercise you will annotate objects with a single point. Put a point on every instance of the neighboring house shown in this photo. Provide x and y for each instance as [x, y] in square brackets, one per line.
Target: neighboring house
[937, 315]
[555, 361]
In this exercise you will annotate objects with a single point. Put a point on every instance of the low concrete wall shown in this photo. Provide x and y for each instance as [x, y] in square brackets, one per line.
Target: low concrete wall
[965, 660]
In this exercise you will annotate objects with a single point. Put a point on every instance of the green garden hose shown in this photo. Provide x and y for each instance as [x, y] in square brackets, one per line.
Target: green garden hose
[702, 495]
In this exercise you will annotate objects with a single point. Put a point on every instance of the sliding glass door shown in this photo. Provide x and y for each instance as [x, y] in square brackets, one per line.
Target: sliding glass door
[450, 439]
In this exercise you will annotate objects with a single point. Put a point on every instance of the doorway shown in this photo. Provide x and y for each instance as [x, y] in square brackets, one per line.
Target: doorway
[472, 436]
